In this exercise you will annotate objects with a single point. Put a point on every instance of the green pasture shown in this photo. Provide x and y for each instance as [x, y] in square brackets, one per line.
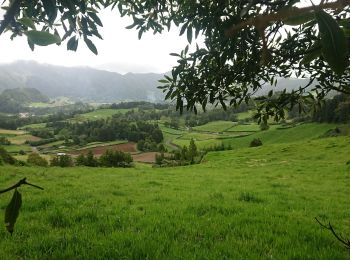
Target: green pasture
[251, 203]
[274, 135]
[21, 139]
[99, 114]
[215, 126]
[15, 148]
[34, 126]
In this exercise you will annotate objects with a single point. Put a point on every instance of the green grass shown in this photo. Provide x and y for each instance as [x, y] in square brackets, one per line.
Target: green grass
[21, 139]
[11, 132]
[215, 126]
[99, 114]
[245, 115]
[14, 148]
[199, 143]
[253, 127]
[252, 203]
[34, 126]
[273, 135]
[169, 130]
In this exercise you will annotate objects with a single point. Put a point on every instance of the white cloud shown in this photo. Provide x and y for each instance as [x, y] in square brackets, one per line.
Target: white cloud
[120, 50]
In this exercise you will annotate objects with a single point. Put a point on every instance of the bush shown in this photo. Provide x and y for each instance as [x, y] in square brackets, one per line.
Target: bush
[88, 160]
[6, 157]
[115, 159]
[37, 160]
[256, 142]
[4, 141]
[62, 160]
[21, 152]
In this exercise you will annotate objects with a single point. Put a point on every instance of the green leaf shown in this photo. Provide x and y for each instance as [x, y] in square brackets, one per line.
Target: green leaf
[333, 40]
[90, 45]
[189, 34]
[12, 211]
[299, 19]
[27, 22]
[42, 38]
[95, 18]
[312, 54]
[50, 8]
[30, 44]
[72, 44]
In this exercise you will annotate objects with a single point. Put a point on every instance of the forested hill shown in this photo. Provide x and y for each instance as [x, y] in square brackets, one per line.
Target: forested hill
[80, 83]
[13, 100]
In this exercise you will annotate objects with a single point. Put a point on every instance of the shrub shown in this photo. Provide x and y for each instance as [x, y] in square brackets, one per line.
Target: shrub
[6, 157]
[37, 160]
[88, 160]
[4, 141]
[62, 160]
[256, 142]
[115, 159]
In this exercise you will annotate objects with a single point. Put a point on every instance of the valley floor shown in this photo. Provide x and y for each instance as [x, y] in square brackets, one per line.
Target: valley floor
[249, 203]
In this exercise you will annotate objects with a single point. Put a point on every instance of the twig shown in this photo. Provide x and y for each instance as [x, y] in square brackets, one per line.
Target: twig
[18, 184]
[283, 15]
[345, 242]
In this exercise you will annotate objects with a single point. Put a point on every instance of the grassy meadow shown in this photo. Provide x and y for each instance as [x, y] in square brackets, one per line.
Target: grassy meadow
[249, 203]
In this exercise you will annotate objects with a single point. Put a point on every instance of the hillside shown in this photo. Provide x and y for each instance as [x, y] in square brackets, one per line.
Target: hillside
[80, 83]
[14, 100]
[251, 203]
[24, 95]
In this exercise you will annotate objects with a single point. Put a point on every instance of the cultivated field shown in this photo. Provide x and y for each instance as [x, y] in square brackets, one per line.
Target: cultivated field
[250, 203]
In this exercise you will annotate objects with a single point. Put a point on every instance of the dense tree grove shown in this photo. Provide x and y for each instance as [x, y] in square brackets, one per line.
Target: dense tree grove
[335, 110]
[108, 130]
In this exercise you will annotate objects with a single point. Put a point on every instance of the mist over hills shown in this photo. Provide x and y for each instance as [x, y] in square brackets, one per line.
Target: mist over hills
[89, 84]
[80, 83]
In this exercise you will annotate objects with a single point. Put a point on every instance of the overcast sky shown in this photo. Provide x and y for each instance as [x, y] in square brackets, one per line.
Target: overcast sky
[120, 50]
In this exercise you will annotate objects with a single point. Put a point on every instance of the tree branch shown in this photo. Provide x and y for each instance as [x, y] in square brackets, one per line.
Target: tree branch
[18, 184]
[263, 20]
[10, 15]
[346, 242]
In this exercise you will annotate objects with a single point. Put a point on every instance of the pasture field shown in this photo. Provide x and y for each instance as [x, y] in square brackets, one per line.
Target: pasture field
[21, 139]
[99, 114]
[11, 132]
[215, 126]
[251, 203]
[253, 127]
[15, 148]
[34, 126]
[301, 132]
[201, 144]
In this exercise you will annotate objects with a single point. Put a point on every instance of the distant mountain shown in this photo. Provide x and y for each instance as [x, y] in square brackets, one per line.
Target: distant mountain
[80, 83]
[88, 84]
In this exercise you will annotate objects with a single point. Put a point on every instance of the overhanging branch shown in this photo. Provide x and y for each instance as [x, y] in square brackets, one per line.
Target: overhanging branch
[261, 21]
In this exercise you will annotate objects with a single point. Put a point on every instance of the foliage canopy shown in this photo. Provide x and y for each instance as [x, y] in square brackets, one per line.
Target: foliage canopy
[246, 44]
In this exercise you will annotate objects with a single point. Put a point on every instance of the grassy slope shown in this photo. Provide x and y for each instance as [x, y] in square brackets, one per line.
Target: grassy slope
[274, 135]
[215, 126]
[250, 203]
